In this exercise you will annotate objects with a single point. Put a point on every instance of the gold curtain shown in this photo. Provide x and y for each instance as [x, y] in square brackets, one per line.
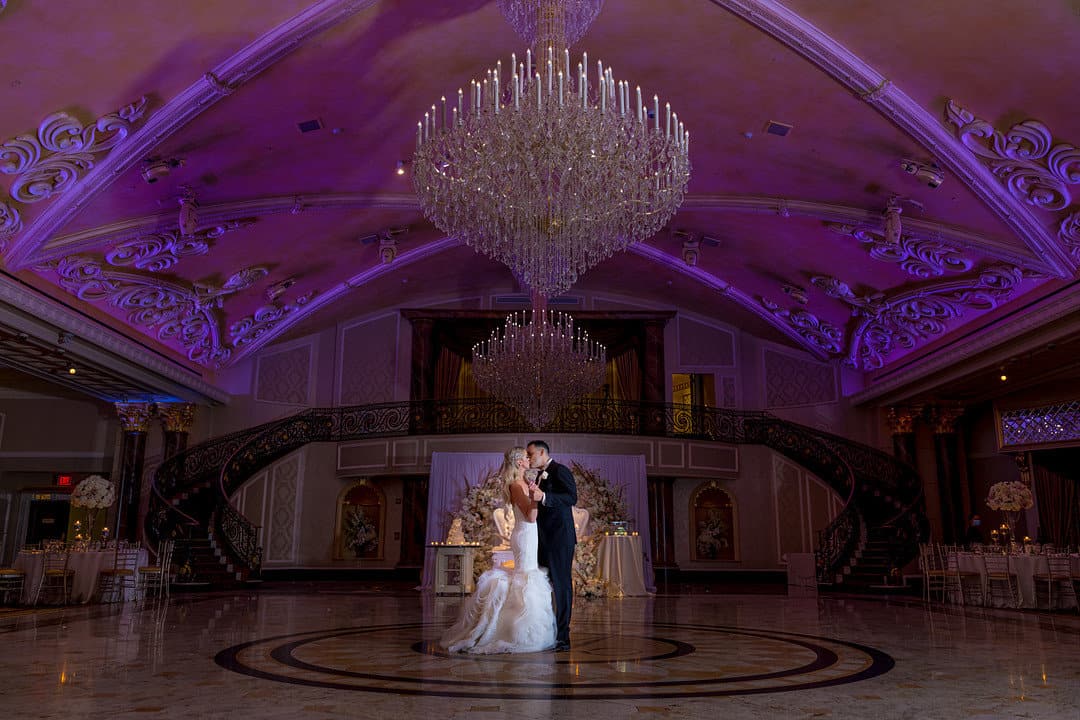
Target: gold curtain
[447, 371]
[1059, 505]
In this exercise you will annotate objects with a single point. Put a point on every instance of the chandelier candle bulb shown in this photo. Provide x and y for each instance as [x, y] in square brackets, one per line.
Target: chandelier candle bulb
[656, 113]
[667, 114]
[560, 88]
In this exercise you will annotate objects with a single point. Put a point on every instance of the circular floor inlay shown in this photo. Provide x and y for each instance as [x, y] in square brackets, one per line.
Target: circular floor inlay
[607, 662]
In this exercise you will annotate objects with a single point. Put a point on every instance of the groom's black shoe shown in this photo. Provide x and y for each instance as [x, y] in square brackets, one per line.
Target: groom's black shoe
[562, 646]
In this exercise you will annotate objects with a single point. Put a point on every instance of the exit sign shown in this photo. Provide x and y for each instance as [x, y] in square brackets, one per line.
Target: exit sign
[63, 480]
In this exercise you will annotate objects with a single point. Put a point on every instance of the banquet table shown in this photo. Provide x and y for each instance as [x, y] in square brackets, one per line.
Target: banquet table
[620, 562]
[86, 565]
[1025, 568]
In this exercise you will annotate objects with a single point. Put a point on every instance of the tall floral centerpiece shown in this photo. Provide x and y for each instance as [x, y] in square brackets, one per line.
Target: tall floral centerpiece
[606, 505]
[477, 506]
[1010, 497]
[94, 493]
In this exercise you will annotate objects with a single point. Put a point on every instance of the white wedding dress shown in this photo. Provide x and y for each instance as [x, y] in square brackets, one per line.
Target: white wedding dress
[511, 610]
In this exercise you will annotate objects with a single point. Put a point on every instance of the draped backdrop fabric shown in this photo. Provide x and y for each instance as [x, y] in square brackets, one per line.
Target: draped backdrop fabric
[453, 473]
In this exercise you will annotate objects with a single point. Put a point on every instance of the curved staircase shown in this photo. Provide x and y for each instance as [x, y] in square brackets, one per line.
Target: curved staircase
[878, 529]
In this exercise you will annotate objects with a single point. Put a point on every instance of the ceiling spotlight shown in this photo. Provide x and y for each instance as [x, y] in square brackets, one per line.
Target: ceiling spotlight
[400, 167]
[71, 370]
[1004, 377]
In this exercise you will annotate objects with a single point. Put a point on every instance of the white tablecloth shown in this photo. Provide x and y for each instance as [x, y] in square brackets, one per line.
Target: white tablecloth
[621, 563]
[1025, 567]
[86, 564]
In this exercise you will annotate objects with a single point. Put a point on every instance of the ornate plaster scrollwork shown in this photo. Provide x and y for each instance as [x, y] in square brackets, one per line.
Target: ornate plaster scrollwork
[253, 327]
[921, 257]
[10, 223]
[1069, 232]
[62, 151]
[817, 332]
[188, 314]
[889, 323]
[158, 252]
[1025, 158]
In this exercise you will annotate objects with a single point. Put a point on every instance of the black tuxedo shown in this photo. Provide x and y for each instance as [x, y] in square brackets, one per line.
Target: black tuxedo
[557, 538]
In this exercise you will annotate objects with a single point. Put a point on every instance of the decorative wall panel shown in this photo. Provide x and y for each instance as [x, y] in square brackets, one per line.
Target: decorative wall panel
[702, 345]
[284, 510]
[792, 381]
[727, 392]
[285, 376]
[1050, 424]
[368, 361]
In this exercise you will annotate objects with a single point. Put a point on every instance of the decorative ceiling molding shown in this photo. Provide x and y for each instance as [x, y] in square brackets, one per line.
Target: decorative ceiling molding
[63, 151]
[823, 336]
[37, 310]
[1007, 337]
[157, 252]
[294, 204]
[886, 324]
[10, 223]
[724, 288]
[916, 256]
[849, 70]
[178, 112]
[256, 335]
[1034, 169]
[188, 314]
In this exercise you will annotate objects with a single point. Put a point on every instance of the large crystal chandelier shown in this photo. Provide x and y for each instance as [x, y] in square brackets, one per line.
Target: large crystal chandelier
[539, 363]
[544, 169]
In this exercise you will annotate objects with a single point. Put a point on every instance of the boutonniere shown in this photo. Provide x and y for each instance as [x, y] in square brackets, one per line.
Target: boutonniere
[543, 475]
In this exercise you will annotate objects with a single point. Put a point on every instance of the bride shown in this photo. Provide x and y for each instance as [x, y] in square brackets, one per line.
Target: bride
[511, 610]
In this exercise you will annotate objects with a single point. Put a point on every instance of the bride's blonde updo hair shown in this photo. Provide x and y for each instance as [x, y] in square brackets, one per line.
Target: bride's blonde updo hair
[507, 471]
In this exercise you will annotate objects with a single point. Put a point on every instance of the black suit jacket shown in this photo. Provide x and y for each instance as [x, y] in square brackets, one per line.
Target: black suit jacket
[554, 517]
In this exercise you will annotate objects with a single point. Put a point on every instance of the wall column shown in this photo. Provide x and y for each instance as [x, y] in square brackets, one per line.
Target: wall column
[661, 522]
[902, 426]
[946, 456]
[176, 421]
[134, 421]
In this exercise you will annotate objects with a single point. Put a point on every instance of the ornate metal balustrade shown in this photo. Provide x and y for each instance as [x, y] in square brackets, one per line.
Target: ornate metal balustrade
[877, 488]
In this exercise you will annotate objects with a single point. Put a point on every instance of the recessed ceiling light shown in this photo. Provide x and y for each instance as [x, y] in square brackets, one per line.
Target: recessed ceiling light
[310, 125]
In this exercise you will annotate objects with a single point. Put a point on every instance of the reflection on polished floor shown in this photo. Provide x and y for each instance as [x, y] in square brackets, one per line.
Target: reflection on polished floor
[351, 650]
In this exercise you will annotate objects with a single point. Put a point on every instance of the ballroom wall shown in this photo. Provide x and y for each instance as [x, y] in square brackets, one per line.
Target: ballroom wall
[779, 506]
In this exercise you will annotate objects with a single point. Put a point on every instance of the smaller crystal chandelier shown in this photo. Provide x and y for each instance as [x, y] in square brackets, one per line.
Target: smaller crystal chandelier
[539, 363]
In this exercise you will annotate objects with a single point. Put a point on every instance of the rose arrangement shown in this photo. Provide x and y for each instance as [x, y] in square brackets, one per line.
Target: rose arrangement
[1009, 496]
[95, 492]
[361, 535]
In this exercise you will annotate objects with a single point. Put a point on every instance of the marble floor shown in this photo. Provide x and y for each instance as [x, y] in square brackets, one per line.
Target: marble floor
[355, 650]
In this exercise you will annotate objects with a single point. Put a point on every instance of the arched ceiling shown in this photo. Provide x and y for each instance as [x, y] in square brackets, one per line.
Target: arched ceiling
[291, 224]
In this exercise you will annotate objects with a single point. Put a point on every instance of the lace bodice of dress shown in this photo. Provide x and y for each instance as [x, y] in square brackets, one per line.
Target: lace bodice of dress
[523, 542]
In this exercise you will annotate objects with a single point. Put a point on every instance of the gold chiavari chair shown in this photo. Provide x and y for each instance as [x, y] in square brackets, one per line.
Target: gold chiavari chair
[1058, 577]
[55, 573]
[1000, 580]
[155, 578]
[963, 584]
[11, 585]
[114, 583]
[933, 572]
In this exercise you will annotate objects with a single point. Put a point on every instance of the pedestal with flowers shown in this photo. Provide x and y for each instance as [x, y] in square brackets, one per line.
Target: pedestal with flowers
[95, 493]
[1010, 498]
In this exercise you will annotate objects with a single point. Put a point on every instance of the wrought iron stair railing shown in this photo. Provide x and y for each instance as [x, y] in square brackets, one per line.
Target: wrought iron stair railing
[192, 491]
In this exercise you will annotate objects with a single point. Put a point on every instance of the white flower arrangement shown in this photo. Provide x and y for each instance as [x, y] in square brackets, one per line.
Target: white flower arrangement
[1009, 496]
[477, 505]
[606, 505]
[95, 493]
[361, 536]
[712, 536]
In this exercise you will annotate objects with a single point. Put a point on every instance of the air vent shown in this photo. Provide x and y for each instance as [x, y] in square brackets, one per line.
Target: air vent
[777, 128]
[310, 125]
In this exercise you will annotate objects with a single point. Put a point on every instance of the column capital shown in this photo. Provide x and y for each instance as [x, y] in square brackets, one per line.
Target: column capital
[134, 416]
[902, 419]
[943, 419]
[176, 417]
[1023, 464]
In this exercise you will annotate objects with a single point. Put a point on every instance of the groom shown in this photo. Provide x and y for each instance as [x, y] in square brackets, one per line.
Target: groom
[556, 493]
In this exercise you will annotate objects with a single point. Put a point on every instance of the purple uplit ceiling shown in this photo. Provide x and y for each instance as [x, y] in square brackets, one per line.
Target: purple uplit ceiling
[292, 228]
